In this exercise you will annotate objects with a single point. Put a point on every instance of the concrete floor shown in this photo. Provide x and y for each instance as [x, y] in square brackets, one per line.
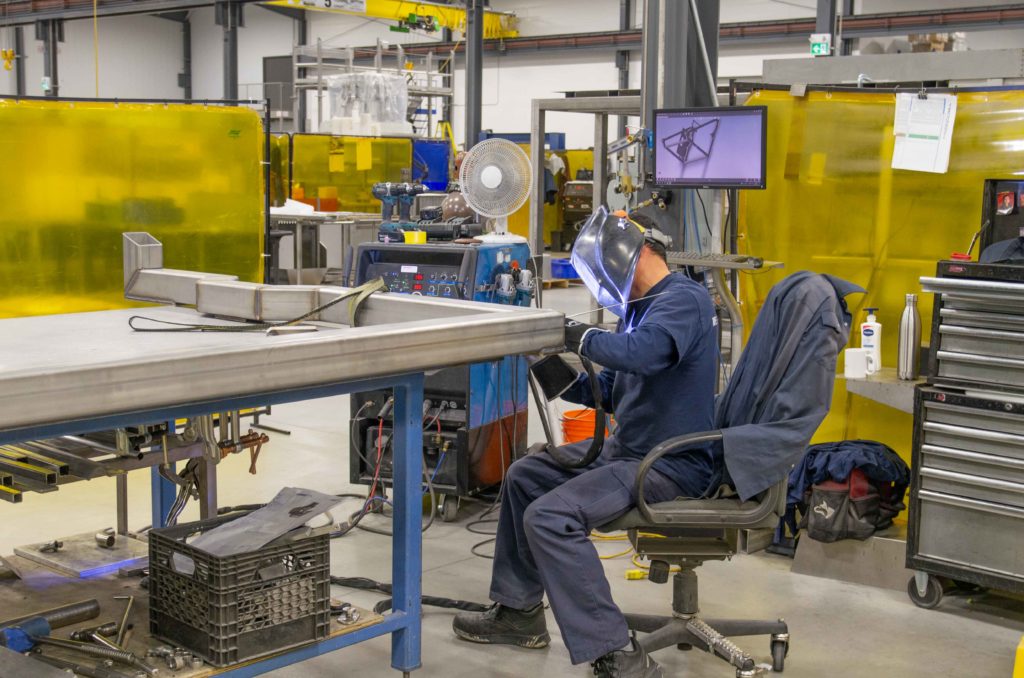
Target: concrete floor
[837, 629]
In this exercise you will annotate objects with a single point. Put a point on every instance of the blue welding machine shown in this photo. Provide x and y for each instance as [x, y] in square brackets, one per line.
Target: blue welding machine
[475, 416]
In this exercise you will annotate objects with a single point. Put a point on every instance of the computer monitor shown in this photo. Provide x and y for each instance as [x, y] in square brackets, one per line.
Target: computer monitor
[710, 147]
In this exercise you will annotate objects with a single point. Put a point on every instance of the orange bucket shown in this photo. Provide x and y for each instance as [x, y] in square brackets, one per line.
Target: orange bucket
[578, 425]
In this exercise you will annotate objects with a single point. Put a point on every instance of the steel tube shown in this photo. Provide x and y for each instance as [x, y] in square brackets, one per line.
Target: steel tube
[66, 615]
[28, 472]
[92, 650]
[123, 627]
[19, 61]
[474, 70]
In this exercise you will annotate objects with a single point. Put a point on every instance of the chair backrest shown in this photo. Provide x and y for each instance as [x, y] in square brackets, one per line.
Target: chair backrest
[782, 387]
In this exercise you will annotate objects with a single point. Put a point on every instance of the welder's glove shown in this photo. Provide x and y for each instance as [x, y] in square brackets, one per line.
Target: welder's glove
[576, 333]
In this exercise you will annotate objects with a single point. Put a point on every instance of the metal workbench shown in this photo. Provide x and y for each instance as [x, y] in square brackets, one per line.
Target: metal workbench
[70, 374]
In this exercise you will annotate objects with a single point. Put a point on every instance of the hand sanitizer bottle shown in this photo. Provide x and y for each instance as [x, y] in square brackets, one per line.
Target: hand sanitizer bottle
[871, 339]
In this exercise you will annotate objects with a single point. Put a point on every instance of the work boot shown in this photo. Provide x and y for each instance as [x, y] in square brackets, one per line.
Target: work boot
[504, 626]
[622, 664]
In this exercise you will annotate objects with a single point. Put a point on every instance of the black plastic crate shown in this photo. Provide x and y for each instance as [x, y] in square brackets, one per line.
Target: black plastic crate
[238, 607]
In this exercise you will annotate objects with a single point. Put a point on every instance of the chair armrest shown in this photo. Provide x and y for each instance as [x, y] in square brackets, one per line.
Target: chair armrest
[697, 516]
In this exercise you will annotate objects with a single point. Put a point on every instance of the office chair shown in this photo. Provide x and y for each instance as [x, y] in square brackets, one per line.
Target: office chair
[685, 533]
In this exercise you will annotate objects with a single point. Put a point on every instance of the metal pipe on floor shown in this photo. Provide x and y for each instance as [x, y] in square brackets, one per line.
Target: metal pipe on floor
[66, 615]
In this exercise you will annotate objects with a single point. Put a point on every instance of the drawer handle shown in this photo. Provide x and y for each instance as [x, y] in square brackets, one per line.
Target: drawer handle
[976, 481]
[980, 359]
[976, 433]
[935, 285]
[962, 331]
[956, 314]
[972, 504]
[964, 455]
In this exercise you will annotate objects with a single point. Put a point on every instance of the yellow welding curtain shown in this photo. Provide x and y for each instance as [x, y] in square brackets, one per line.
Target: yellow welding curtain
[76, 175]
[834, 205]
[336, 173]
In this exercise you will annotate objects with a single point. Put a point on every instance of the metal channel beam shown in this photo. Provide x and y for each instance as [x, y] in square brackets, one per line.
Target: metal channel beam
[899, 68]
[599, 106]
[30, 456]
[825, 18]
[78, 466]
[753, 32]
[229, 16]
[27, 12]
[50, 32]
[30, 472]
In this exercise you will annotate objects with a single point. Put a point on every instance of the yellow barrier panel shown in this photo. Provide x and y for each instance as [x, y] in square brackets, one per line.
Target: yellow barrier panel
[519, 221]
[834, 205]
[1018, 663]
[75, 175]
[280, 165]
[337, 172]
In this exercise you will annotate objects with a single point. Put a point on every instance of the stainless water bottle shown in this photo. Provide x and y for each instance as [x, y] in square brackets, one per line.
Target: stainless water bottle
[909, 357]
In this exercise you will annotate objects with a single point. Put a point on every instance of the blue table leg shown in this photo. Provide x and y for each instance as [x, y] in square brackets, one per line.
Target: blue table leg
[407, 540]
[164, 493]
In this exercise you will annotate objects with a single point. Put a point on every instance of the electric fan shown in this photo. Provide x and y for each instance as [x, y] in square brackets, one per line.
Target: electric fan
[495, 179]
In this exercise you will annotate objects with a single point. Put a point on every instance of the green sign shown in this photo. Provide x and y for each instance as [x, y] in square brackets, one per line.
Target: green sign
[821, 48]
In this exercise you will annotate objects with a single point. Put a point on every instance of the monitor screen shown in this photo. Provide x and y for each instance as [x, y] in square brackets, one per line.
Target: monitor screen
[710, 147]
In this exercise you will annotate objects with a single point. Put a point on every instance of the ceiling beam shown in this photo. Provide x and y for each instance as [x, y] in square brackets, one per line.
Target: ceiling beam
[753, 32]
[25, 12]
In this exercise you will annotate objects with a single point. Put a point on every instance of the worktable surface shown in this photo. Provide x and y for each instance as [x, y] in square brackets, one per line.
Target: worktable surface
[87, 365]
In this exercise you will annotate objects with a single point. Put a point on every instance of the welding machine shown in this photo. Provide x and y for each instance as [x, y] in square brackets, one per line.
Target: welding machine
[474, 416]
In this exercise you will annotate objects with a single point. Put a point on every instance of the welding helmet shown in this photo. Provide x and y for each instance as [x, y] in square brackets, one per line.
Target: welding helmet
[605, 255]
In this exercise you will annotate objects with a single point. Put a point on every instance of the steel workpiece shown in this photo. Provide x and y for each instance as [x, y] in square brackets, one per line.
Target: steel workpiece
[77, 366]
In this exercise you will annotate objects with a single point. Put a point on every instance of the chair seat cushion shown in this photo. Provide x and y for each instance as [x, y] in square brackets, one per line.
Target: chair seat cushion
[723, 507]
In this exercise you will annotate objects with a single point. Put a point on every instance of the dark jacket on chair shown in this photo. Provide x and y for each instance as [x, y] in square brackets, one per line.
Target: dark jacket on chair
[787, 380]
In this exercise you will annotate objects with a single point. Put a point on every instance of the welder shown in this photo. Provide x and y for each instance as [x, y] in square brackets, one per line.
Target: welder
[658, 378]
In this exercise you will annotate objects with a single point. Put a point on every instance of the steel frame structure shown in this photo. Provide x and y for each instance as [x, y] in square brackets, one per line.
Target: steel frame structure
[404, 621]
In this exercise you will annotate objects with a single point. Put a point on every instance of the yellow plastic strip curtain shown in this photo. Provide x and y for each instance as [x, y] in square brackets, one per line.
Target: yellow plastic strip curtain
[76, 175]
[335, 173]
[834, 205]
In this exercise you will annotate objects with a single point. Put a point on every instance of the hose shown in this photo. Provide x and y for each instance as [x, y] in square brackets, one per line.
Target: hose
[596, 443]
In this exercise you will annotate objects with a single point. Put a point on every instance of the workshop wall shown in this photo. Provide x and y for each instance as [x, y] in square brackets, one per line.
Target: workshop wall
[78, 175]
[834, 205]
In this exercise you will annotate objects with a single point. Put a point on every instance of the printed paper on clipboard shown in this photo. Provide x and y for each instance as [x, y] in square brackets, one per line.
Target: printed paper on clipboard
[924, 132]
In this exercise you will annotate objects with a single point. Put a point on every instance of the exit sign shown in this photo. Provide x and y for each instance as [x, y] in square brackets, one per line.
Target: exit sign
[821, 44]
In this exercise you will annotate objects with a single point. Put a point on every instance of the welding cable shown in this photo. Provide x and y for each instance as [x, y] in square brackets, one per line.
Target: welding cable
[356, 518]
[359, 293]
[352, 433]
[597, 442]
[430, 520]
[364, 584]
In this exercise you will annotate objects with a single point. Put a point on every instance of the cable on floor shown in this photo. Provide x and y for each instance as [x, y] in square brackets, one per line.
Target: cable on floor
[364, 584]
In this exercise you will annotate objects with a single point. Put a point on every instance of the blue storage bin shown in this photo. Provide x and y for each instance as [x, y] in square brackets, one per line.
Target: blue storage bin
[430, 162]
[563, 268]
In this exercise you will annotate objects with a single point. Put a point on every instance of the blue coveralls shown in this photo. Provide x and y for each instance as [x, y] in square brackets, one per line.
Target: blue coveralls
[659, 378]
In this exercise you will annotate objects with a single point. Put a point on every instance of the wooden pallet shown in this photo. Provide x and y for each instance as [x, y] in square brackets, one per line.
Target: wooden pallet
[561, 282]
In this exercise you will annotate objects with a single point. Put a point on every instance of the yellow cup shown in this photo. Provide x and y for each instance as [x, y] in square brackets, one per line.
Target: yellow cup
[415, 237]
